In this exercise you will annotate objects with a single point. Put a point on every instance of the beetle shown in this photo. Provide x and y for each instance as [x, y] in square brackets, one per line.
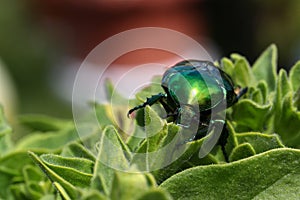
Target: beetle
[195, 91]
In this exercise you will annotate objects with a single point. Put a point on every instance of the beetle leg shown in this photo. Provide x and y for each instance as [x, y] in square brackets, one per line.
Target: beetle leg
[222, 141]
[150, 101]
[186, 116]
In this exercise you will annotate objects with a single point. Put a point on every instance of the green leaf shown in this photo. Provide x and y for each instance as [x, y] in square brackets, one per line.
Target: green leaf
[49, 140]
[32, 173]
[12, 168]
[64, 194]
[296, 99]
[113, 96]
[179, 156]
[257, 97]
[295, 76]
[115, 114]
[43, 123]
[287, 123]
[77, 171]
[65, 188]
[250, 114]
[242, 151]
[155, 131]
[103, 113]
[263, 88]
[284, 84]
[4, 127]
[232, 141]
[6, 144]
[242, 74]
[112, 154]
[77, 150]
[153, 123]
[268, 173]
[91, 194]
[18, 191]
[265, 66]
[14, 162]
[156, 194]
[283, 87]
[35, 184]
[128, 185]
[227, 66]
[260, 142]
[135, 140]
[5, 133]
[235, 57]
[167, 140]
[48, 197]
[34, 190]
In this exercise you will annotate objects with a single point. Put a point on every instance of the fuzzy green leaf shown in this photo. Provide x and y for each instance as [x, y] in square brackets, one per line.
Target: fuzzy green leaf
[265, 66]
[156, 194]
[77, 150]
[153, 123]
[91, 194]
[112, 95]
[179, 156]
[263, 88]
[64, 186]
[43, 123]
[259, 141]
[5, 131]
[49, 140]
[271, 172]
[135, 140]
[227, 66]
[4, 127]
[103, 113]
[62, 191]
[232, 141]
[242, 151]
[49, 197]
[76, 171]
[129, 185]
[155, 131]
[14, 162]
[295, 76]
[242, 74]
[284, 84]
[250, 114]
[236, 57]
[112, 154]
[12, 169]
[35, 184]
[257, 97]
[287, 124]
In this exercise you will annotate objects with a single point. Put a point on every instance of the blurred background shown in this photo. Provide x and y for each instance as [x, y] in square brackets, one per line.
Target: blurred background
[42, 42]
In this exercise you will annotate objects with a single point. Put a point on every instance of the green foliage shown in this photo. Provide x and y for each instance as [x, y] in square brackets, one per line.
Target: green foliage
[271, 175]
[272, 101]
[146, 158]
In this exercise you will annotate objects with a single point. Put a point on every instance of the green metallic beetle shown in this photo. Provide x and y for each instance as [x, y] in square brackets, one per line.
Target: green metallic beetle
[195, 92]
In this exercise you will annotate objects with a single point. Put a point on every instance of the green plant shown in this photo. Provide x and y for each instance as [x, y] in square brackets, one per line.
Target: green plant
[263, 147]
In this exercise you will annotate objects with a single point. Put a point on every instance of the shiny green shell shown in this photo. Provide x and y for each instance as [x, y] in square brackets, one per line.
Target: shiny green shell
[198, 83]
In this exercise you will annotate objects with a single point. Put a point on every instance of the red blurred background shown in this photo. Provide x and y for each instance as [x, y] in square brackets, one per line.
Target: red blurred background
[40, 39]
